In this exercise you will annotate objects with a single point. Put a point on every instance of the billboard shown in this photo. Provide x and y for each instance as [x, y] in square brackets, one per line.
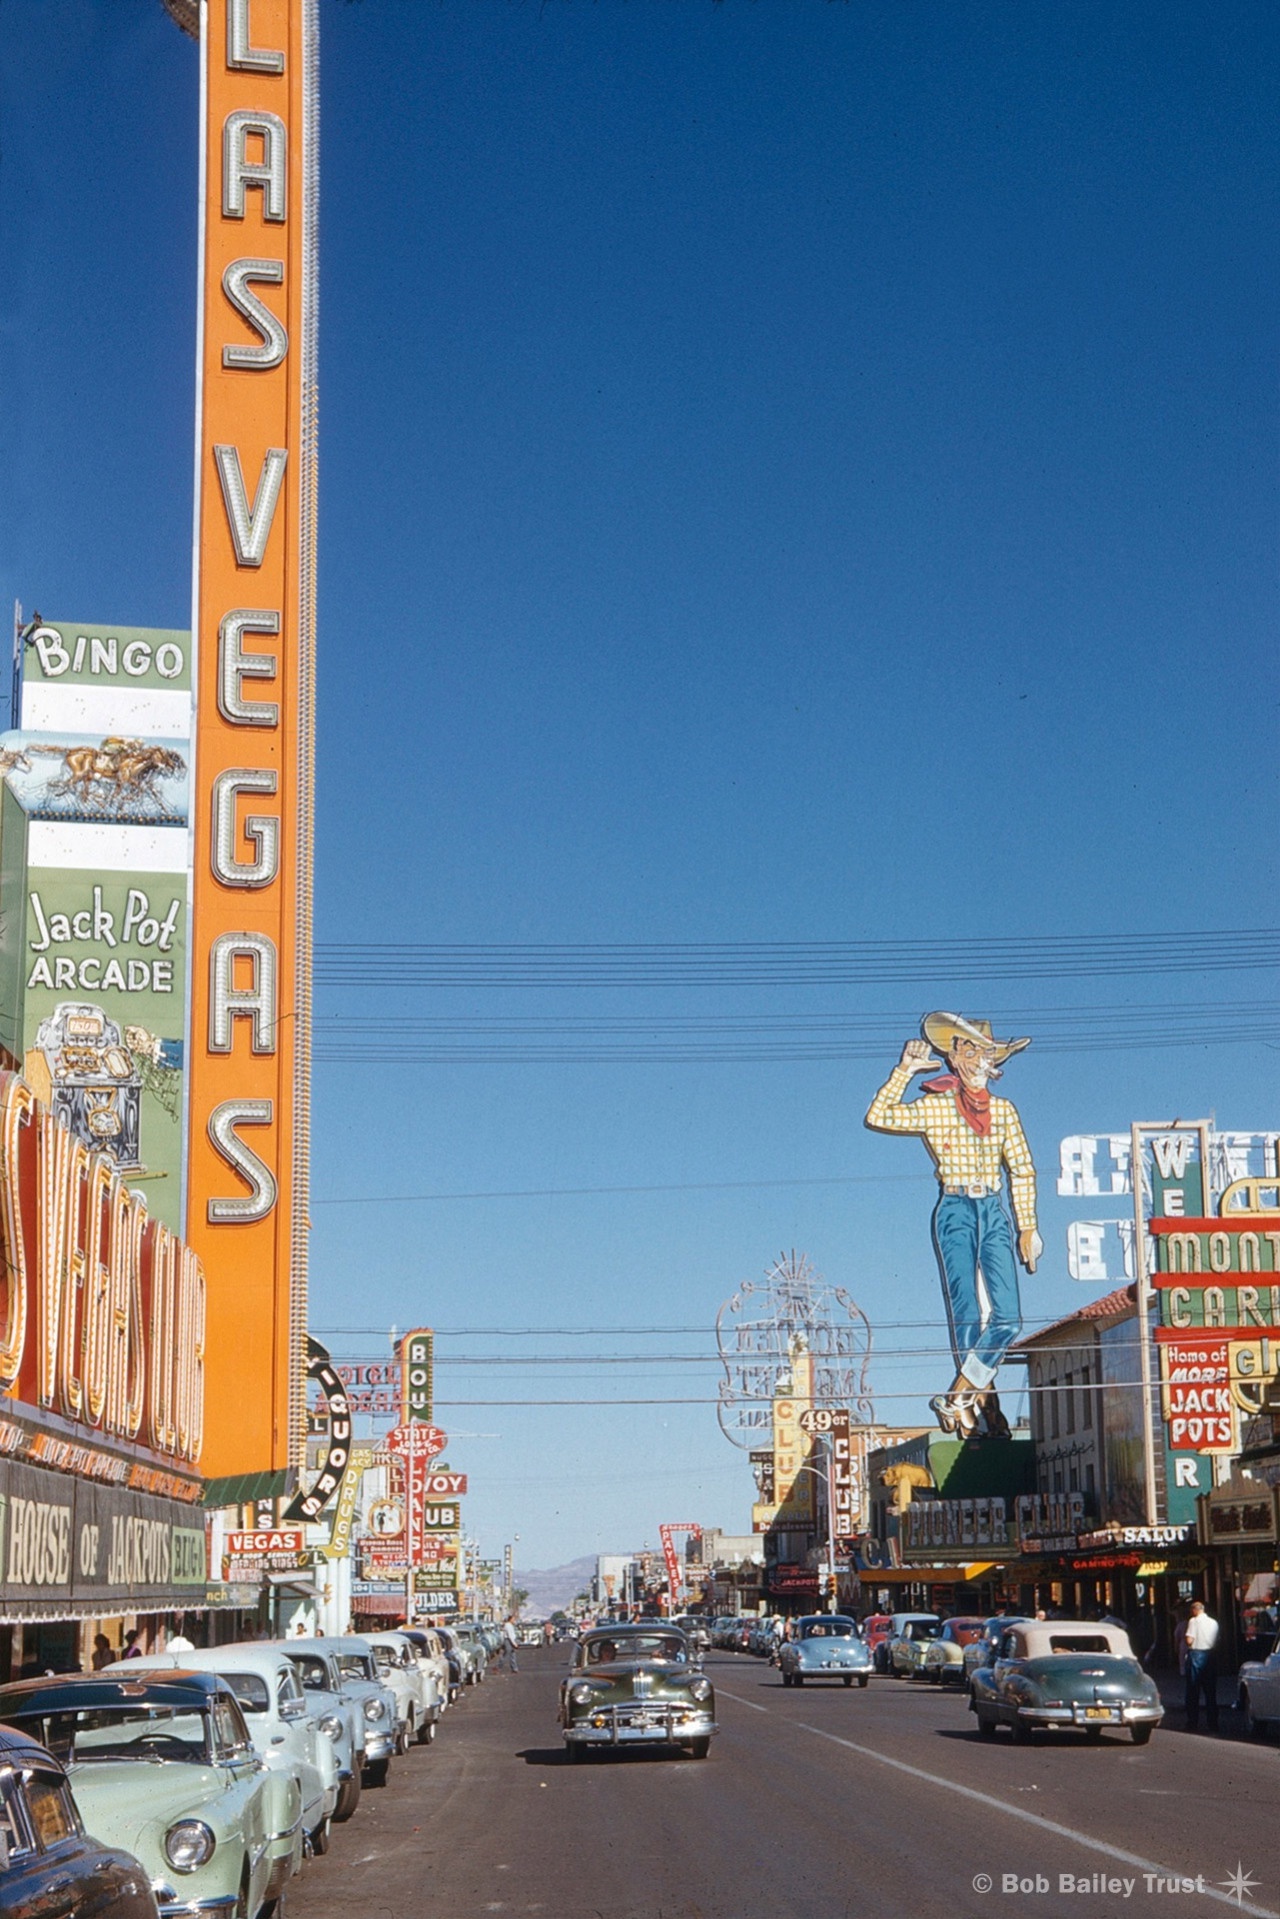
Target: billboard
[254, 589]
[105, 680]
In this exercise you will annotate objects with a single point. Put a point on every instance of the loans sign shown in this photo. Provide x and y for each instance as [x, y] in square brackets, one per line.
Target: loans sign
[249, 1063]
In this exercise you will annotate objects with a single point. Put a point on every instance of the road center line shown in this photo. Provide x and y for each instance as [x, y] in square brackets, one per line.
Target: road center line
[1031, 1818]
[1014, 1812]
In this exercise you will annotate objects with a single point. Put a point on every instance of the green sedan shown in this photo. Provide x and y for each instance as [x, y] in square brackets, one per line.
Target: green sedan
[636, 1686]
[164, 1767]
[1065, 1674]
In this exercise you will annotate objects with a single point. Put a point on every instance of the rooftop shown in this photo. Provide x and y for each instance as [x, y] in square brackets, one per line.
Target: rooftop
[1117, 1305]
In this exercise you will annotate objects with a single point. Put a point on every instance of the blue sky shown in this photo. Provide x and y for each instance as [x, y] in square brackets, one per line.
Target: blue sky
[790, 471]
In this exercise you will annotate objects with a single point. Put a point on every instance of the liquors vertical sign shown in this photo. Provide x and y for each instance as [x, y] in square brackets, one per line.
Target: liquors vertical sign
[251, 811]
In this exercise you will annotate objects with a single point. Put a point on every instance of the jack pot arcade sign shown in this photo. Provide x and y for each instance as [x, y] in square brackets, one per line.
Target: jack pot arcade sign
[254, 591]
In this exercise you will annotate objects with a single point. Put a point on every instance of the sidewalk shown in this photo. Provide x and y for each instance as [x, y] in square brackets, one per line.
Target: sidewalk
[1173, 1694]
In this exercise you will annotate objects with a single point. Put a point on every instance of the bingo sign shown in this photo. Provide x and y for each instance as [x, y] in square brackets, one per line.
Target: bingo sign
[416, 1368]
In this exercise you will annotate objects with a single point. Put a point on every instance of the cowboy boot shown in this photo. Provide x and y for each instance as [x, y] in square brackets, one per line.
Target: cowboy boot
[957, 1411]
[996, 1424]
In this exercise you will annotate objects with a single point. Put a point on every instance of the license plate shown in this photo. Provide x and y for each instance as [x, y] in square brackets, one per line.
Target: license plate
[1101, 1712]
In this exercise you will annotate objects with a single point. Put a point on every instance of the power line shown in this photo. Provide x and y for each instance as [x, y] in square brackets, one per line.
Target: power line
[580, 1192]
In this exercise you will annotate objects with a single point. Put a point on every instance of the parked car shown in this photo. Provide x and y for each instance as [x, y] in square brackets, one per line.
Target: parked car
[876, 1628]
[358, 1675]
[455, 1658]
[636, 1685]
[49, 1868]
[1259, 1692]
[824, 1646]
[338, 1717]
[162, 1765]
[1065, 1673]
[474, 1654]
[695, 1631]
[414, 1684]
[266, 1683]
[982, 1650]
[431, 1656]
[943, 1658]
[904, 1649]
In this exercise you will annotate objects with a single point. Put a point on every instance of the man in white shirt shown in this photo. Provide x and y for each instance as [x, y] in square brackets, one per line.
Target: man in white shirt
[1202, 1667]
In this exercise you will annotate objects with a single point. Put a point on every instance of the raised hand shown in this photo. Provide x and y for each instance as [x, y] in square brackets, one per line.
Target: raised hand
[916, 1056]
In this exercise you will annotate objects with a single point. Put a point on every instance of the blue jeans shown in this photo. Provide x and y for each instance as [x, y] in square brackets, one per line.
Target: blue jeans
[969, 1234]
[1202, 1677]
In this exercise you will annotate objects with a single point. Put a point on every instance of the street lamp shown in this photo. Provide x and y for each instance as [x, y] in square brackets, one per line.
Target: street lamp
[826, 1477]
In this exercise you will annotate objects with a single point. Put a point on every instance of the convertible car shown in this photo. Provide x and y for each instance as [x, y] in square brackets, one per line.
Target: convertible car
[824, 1646]
[636, 1686]
[1065, 1673]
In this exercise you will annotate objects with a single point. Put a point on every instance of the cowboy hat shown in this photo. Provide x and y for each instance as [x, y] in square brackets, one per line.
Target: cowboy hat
[942, 1030]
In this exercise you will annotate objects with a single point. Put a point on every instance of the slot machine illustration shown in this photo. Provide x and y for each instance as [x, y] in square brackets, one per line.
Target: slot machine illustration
[81, 1065]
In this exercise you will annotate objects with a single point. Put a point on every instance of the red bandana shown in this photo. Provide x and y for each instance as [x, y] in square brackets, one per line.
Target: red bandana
[975, 1106]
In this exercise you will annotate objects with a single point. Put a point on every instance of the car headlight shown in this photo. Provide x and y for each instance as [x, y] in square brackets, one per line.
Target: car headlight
[331, 1724]
[374, 1709]
[188, 1844]
[700, 1688]
[582, 1695]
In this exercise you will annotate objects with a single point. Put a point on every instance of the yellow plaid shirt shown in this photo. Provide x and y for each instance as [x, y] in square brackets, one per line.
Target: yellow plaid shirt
[962, 1157]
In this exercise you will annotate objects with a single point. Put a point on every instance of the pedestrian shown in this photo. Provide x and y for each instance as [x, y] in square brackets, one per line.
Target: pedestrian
[1202, 1667]
[132, 1646]
[511, 1639]
[103, 1651]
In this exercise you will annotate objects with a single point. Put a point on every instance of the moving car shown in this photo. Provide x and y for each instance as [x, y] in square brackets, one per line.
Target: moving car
[1065, 1673]
[1259, 1693]
[944, 1656]
[636, 1685]
[162, 1765]
[49, 1869]
[904, 1649]
[824, 1646]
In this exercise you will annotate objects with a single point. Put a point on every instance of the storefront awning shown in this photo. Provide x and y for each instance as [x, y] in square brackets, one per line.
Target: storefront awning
[932, 1575]
[242, 1489]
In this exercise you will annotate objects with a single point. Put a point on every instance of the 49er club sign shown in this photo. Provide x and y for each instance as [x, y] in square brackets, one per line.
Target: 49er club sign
[249, 1064]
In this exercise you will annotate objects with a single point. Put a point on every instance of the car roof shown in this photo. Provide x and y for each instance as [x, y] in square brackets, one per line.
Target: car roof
[331, 1642]
[824, 1618]
[18, 1748]
[907, 1617]
[238, 1655]
[633, 1627]
[1038, 1636]
[63, 1692]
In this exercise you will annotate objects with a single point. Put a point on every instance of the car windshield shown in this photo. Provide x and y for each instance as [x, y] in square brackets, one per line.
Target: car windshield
[121, 1732]
[922, 1629]
[601, 1652]
[313, 1673]
[251, 1689]
[830, 1629]
[385, 1657]
[963, 1632]
[1080, 1642]
[355, 1665]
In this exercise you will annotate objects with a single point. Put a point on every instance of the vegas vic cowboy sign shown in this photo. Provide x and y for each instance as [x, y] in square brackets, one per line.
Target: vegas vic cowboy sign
[974, 1139]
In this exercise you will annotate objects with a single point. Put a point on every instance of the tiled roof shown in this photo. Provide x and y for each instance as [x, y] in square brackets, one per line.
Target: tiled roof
[1111, 1306]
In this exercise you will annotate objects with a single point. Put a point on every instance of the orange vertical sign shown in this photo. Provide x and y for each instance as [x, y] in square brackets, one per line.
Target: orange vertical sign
[249, 1060]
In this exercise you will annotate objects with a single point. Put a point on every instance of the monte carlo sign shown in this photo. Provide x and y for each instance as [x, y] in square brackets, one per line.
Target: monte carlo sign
[254, 589]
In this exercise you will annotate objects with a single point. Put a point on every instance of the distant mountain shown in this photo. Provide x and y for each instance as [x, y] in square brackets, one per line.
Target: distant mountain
[556, 1586]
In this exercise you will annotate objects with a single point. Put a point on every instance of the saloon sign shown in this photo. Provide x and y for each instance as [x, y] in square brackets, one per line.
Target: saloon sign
[249, 1064]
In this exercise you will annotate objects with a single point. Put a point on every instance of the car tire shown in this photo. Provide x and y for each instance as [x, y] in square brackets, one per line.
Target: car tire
[426, 1732]
[348, 1799]
[1021, 1731]
[849, 1680]
[1141, 1735]
[574, 1751]
[699, 1749]
[1254, 1727]
[986, 1724]
[375, 1774]
[864, 1679]
[1093, 1735]
[320, 1838]
[798, 1679]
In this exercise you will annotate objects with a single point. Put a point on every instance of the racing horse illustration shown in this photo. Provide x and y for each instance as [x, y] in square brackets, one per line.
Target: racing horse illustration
[121, 776]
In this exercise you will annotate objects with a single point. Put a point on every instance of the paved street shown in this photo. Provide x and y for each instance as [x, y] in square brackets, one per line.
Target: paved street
[813, 1805]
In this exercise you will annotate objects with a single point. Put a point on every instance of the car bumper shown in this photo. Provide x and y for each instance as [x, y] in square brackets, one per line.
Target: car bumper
[172, 1906]
[378, 1745]
[830, 1672]
[665, 1729]
[1122, 1715]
